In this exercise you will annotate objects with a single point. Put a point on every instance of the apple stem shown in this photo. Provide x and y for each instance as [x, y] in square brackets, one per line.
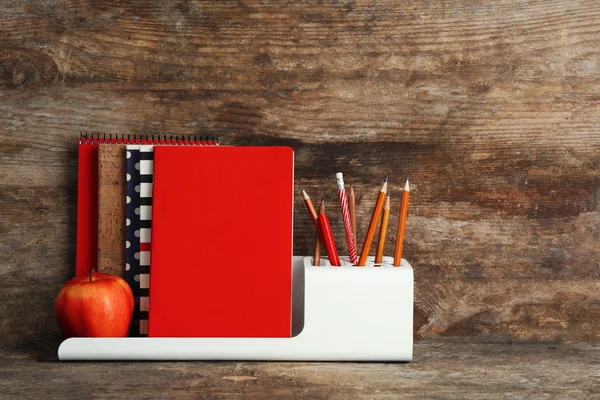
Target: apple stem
[91, 272]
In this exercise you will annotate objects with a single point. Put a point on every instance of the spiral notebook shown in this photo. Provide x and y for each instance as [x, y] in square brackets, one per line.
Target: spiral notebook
[88, 189]
[222, 242]
[114, 210]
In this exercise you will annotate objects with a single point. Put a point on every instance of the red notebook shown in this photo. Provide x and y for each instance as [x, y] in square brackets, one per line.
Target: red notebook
[222, 242]
[87, 207]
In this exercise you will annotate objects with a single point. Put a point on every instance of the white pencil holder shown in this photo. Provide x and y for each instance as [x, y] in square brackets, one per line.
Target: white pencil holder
[342, 313]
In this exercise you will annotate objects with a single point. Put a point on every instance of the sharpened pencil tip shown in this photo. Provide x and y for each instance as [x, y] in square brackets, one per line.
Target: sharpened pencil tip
[406, 187]
[386, 206]
[305, 195]
[322, 207]
[384, 187]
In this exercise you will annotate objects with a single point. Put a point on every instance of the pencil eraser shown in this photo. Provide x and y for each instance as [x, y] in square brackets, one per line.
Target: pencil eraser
[340, 180]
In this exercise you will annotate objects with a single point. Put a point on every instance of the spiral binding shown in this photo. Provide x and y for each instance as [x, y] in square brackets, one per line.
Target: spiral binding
[177, 140]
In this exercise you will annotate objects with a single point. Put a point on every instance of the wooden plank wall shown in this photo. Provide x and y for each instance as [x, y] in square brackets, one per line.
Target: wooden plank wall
[491, 108]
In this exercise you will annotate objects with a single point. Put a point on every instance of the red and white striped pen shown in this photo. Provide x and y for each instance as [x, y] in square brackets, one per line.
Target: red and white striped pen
[346, 216]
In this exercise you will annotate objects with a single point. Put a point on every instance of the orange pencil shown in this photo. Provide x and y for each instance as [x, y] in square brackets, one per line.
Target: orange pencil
[401, 225]
[373, 225]
[317, 256]
[311, 209]
[382, 231]
[352, 207]
[313, 214]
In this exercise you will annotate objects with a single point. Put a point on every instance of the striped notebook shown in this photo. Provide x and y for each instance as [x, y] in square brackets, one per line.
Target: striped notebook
[138, 230]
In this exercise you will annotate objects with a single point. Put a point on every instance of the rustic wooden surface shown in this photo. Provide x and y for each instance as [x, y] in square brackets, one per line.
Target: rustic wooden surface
[491, 107]
[439, 371]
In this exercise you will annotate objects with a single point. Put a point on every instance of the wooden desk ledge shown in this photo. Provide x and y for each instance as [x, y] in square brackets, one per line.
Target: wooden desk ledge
[440, 370]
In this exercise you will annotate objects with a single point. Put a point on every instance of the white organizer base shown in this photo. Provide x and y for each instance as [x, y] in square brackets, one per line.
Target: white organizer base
[343, 314]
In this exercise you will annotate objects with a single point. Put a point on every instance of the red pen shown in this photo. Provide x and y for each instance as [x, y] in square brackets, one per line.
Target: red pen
[328, 238]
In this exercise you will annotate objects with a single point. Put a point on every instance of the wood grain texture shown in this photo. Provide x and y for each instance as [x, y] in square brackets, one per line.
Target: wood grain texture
[111, 209]
[439, 371]
[491, 108]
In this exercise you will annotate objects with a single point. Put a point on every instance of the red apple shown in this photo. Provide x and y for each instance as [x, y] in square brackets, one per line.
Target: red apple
[98, 305]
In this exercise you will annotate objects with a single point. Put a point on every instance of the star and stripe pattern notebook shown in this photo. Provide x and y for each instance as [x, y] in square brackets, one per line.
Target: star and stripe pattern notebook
[132, 233]
[139, 228]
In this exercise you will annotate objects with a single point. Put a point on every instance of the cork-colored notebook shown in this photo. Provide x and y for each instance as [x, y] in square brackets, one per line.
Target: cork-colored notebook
[111, 209]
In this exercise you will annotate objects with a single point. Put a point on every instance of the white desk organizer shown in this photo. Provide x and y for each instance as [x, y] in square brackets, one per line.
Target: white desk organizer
[338, 314]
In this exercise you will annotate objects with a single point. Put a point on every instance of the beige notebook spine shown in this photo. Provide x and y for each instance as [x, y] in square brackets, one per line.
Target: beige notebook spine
[111, 209]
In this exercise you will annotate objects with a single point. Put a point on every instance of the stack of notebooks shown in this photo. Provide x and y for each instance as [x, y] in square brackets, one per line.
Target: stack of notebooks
[202, 233]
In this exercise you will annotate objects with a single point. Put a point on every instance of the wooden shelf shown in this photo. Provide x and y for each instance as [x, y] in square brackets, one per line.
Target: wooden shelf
[440, 370]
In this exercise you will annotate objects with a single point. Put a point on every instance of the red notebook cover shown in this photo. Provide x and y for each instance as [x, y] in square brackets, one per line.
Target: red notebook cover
[222, 242]
[86, 256]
